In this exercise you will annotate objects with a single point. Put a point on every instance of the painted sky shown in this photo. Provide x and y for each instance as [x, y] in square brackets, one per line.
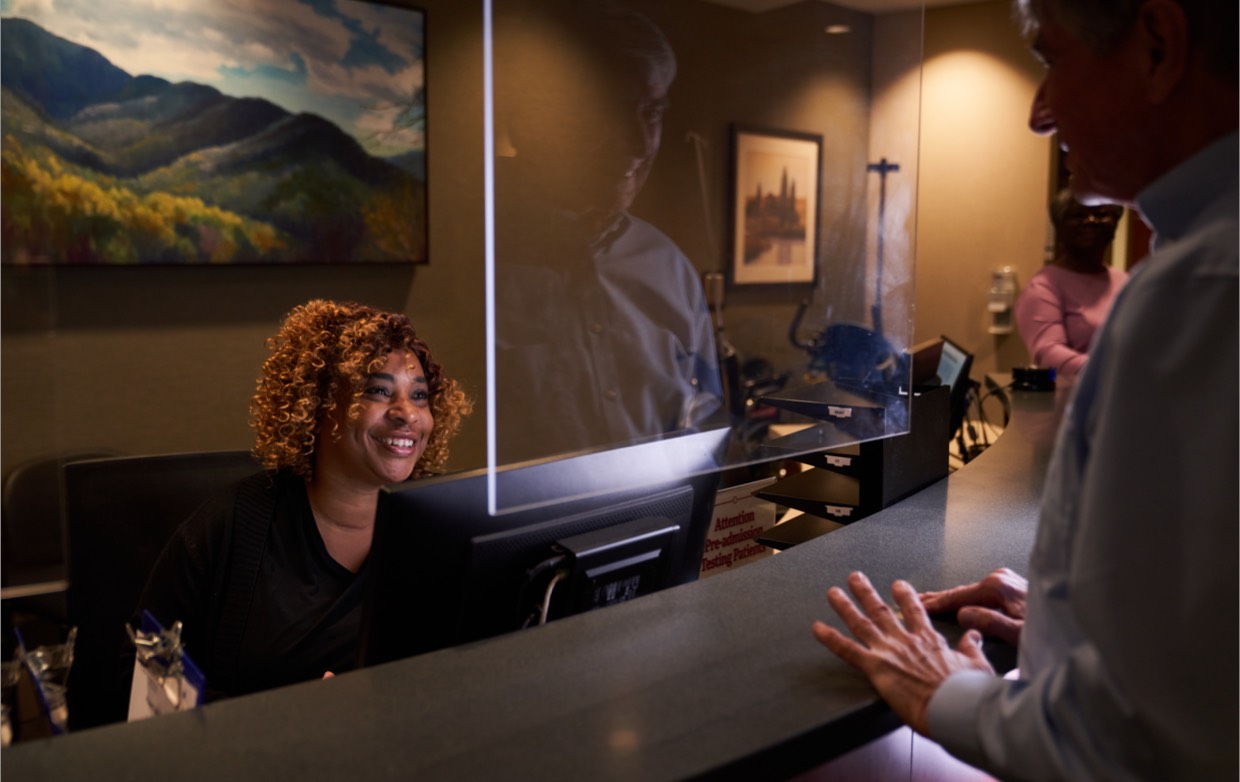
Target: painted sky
[358, 64]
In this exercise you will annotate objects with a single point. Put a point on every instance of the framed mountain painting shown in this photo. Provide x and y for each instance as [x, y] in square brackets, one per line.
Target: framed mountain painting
[252, 132]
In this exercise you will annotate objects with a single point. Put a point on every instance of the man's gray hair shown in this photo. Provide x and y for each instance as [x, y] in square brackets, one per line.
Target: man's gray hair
[1101, 23]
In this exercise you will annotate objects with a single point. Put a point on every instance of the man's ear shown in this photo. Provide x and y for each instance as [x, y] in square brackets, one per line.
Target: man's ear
[1162, 29]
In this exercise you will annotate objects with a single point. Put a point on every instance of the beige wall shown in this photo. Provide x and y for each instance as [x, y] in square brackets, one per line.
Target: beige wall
[164, 359]
[983, 177]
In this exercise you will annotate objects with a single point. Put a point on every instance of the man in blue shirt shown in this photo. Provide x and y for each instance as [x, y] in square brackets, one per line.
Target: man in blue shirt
[1127, 624]
[601, 326]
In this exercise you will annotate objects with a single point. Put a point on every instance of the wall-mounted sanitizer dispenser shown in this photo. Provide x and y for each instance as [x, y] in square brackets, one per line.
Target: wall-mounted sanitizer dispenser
[1002, 300]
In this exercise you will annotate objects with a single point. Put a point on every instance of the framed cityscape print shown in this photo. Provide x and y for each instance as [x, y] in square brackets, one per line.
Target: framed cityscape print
[774, 210]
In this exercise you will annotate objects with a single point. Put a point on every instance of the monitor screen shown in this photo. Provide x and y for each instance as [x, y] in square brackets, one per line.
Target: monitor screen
[955, 363]
[445, 570]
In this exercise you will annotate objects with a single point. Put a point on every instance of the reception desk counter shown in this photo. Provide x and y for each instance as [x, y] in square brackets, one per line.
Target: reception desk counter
[719, 678]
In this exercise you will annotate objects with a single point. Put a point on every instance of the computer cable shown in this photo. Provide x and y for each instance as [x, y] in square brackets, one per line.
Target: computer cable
[532, 576]
[1001, 393]
[559, 576]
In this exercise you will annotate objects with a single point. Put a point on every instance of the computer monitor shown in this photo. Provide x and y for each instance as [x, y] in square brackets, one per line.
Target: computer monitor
[955, 363]
[577, 533]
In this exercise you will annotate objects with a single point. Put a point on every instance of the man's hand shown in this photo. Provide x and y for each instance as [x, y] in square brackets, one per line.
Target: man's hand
[906, 662]
[993, 606]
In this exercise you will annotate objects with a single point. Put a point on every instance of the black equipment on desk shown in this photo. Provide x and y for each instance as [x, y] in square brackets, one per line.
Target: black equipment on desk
[853, 481]
[853, 356]
[954, 367]
[574, 533]
[1033, 378]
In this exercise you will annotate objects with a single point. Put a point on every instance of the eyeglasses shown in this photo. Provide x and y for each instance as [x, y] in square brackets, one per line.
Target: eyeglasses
[1085, 216]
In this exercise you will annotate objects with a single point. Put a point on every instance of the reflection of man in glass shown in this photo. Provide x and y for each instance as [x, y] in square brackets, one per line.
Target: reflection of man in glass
[603, 335]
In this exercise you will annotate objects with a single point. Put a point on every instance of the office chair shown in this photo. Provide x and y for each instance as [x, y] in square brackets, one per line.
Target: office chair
[32, 518]
[120, 513]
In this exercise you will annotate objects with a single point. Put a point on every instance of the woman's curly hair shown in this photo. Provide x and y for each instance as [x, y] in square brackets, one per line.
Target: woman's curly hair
[320, 358]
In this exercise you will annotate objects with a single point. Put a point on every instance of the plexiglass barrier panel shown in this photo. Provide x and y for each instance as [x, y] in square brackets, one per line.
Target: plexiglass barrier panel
[700, 217]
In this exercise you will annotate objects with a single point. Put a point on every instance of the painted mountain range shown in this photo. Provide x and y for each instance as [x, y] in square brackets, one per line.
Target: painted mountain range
[103, 167]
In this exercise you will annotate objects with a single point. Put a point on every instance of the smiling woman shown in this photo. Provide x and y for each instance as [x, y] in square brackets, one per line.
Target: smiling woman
[267, 578]
[326, 356]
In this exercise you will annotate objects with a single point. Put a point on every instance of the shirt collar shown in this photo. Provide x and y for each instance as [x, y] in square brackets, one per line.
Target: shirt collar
[1171, 203]
[610, 234]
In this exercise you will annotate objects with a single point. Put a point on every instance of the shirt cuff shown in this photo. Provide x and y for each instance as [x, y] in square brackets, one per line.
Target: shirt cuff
[954, 713]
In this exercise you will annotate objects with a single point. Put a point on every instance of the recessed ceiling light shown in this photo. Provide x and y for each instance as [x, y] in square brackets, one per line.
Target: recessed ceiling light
[837, 29]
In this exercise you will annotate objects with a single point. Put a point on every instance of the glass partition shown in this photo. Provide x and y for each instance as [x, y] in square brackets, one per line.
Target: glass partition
[700, 217]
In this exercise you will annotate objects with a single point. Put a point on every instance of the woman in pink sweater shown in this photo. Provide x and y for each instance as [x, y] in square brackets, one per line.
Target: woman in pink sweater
[1065, 303]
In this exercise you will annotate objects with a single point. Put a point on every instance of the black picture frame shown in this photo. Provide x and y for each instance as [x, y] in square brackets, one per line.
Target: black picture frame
[774, 209]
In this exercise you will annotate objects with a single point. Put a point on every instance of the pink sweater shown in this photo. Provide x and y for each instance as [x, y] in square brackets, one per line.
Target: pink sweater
[1059, 311]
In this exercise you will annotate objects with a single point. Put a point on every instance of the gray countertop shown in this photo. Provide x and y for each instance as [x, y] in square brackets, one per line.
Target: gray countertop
[718, 678]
